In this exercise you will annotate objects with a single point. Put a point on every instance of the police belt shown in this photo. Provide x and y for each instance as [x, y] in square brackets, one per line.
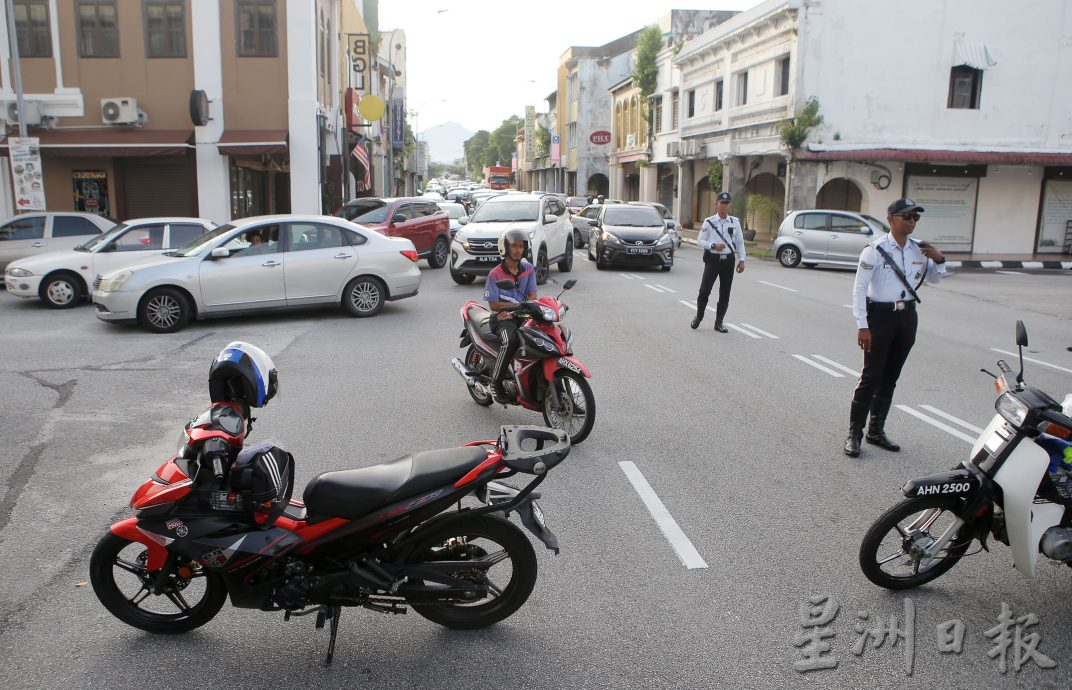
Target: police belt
[903, 305]
[720, 257]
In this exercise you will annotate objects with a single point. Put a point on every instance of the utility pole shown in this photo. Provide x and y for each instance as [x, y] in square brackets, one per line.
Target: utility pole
[13, 43]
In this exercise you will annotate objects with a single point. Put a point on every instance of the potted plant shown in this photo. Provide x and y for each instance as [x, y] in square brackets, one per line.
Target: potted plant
[759, 206]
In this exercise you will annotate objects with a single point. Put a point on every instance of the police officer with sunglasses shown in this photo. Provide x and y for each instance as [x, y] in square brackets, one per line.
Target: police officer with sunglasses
[890, 272]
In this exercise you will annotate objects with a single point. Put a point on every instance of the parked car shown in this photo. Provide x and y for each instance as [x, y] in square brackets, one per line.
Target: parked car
[61, 279]
[629, 234]
[263, 263]
[457, 215]
[672, 226]
[581, 228]
[417, 219]
[828, 237]
[475, 250]
[37, 233]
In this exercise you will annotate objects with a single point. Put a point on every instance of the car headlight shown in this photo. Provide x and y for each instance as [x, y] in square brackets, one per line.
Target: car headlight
[610, 239]
[115, 282]
[548, 313]
[18, 273]
[665, 240]
[532, 234]
[1012, 409]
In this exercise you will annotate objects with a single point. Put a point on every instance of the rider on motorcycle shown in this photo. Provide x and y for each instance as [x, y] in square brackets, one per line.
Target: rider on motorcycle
[513, 246]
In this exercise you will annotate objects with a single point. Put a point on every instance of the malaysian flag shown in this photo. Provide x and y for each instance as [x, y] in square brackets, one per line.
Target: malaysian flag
[362, 155]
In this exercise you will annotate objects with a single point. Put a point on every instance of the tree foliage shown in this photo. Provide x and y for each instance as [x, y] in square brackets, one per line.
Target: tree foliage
[795, 132]
[645, 69]
[491, 148]
[474, 152]
[542, 141]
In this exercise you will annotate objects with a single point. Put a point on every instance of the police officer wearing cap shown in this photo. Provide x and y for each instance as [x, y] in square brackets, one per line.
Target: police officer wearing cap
[890, 272]
[722, 240]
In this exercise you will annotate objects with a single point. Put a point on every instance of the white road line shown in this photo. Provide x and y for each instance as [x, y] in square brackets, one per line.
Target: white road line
[780, 287]
[626, 276]
[818, 366]
[688, 554]
[634, 276]
[760, 331]
[652, 287]
[1036, 361]
[850, 372]
[955, 420]
[935, 423]
[847, 305]
[750, 334]
[690, 305]
[666, 288]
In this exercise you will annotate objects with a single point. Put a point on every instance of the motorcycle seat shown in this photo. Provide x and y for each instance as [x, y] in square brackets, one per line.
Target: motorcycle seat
[481, 320]
[356, 493]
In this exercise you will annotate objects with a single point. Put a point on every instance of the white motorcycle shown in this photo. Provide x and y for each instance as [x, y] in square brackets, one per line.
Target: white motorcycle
[1016, 485]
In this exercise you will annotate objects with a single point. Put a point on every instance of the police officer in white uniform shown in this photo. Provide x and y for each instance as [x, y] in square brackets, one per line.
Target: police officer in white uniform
[722, 240]
[884, 302]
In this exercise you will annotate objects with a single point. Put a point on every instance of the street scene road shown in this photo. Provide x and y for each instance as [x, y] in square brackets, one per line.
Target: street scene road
[706, 525]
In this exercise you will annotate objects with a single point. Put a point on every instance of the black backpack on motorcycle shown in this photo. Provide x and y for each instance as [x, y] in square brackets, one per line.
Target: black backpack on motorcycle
[263, 477]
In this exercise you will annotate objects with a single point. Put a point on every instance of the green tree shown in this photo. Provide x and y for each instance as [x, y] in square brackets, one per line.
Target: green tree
[503, 142]
[543, 140]
[796, 130]
[646, 69]
[474, 148]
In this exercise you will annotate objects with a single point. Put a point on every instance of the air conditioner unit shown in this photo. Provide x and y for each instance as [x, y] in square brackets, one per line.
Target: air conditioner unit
[119, 111]
[688, 148]
[31, 114]
[673, 148]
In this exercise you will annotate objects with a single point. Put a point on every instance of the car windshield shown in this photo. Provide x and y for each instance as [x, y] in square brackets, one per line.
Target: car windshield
[635, 217]
[506, 211]
[365, 211]
[877, 222]
[453, 210]
[101, 239]
[201, 242]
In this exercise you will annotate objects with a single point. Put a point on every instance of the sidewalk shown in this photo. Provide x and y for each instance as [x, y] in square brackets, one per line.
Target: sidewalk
[960, 260]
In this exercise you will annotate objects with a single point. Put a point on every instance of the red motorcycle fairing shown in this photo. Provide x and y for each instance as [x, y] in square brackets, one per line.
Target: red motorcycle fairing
[553, 364]
[128, 529]
[219, 420]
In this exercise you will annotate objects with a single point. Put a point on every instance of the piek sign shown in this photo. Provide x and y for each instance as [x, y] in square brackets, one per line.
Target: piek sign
[600, 137]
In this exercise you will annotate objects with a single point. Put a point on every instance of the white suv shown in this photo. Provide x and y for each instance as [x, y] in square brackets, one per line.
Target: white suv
[475, 250]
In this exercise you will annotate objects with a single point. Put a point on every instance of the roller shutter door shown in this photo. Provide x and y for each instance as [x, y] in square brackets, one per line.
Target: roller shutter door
[161, 186]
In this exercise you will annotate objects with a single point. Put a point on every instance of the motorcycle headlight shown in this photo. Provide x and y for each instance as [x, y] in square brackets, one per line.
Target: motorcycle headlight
[18, 273]
[115, 282]
[548, 313]
[1012, 409]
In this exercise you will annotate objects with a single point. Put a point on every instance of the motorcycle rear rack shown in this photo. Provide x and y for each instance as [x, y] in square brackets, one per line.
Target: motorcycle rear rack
[533, 449]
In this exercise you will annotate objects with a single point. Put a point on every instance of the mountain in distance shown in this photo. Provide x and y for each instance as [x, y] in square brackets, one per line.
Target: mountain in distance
[445, 141]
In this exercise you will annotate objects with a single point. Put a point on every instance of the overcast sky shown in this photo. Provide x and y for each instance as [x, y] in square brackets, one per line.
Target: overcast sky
[477, 62]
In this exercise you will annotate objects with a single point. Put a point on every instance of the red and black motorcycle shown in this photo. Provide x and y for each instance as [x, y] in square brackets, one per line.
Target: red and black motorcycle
[217, 520]
[544, 376]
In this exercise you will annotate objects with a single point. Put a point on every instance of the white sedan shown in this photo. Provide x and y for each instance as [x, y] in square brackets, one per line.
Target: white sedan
[265, 263]
[61, 279]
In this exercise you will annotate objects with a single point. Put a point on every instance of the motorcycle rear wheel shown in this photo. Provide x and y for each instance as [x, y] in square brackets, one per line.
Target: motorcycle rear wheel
[472, 360]
[895, 538]
[122, 582]
[579, 414]
[509, 581]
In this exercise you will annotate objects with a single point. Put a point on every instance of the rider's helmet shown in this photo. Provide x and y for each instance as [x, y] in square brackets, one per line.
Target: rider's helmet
[600, 199]
[243, 374]
[513, 236]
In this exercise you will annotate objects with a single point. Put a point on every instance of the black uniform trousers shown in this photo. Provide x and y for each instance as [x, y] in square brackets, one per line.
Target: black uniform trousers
[892, 335]
[509, 341]
[721, 267]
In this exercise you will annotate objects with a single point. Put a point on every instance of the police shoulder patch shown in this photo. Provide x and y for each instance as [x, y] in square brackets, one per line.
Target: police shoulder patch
[865, 265]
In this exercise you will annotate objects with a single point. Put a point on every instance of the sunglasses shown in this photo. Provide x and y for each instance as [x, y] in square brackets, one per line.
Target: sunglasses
[908, 216]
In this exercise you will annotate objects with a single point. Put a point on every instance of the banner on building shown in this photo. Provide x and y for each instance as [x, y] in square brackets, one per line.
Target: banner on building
[398, 123]
[91, 191]
[556, 150]
[530, 133]
[949, 219]
[358, 51]
[26, 174]
[353, 110]
[513, 161]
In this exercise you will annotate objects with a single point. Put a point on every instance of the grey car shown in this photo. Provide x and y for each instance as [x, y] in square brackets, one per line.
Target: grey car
[672, 226]
[828, 237]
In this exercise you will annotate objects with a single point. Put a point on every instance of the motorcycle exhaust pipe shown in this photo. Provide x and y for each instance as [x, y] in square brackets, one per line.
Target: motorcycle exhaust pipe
[1057, 543]
[467, 376]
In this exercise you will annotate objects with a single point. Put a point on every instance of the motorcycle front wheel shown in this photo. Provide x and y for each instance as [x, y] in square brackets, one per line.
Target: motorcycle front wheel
[509, 581]
[891, 552]
[578, 413]
[122, 581]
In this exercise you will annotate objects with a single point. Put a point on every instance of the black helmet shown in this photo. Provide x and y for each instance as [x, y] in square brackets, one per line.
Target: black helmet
[243, 374]
[513, 236]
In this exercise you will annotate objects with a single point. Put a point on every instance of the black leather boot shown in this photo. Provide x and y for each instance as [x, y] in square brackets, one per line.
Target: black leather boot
[857, 417]
[876, 430]
[696, 321]
[720, 313]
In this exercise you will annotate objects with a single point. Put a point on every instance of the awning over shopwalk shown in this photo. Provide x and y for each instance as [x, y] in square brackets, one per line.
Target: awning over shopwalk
[111, 143]
[942, 156]
[252, 142]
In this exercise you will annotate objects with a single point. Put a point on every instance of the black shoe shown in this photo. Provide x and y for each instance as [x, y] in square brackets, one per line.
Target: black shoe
[696, 322]
[852, 443]
[879, 438]
[720, 328]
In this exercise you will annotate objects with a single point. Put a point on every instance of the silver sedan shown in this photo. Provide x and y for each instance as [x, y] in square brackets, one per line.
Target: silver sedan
[261, 264]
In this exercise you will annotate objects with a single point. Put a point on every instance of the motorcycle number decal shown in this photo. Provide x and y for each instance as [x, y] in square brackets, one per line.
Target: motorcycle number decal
[953, 488]
[173, 524]
[563, 362]
[423, 499]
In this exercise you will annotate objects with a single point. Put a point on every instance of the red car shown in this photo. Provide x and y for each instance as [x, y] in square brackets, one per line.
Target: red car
[419, 220]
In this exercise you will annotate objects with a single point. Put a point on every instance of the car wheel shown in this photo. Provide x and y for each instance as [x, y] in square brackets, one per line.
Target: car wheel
[566, 264]
[591, 256]
[666, 269]
[163, 310]
[543, 267]
[462, 278]
[578, 239]
[789, 256]
[440, 252]
[364, 296]
[62, 290]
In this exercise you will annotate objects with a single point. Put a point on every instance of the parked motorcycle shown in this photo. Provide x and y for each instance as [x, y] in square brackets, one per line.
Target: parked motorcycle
[545, 375]
[1016, 485]
[217, 520]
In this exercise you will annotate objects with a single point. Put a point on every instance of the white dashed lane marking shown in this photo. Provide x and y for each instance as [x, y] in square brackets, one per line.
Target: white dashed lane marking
[1036, 361]
[851, 372]
[688, 554]
[780, 287]
[820, 367]
[937, 424]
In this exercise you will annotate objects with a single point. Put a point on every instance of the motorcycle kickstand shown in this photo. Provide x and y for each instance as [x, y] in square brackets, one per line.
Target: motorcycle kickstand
[333, 612]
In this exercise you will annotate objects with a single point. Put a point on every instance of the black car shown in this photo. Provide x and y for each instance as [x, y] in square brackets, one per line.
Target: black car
[630, 235]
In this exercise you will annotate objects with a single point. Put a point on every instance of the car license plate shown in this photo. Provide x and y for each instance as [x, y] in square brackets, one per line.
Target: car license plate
[487, 259]
[639, 250]
[537, 513]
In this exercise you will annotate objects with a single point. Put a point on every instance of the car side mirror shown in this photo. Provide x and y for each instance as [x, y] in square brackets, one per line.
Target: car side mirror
[463, 220]
[549, 218]
[505, 284]
[398, 218]
[594, 223]
[220, 253]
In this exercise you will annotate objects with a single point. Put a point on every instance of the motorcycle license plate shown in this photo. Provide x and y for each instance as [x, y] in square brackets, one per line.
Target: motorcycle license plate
[537, 513]
[487, 259]
[640, 250]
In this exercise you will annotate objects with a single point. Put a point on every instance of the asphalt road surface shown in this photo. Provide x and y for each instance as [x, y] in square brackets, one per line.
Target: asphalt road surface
[737, 437]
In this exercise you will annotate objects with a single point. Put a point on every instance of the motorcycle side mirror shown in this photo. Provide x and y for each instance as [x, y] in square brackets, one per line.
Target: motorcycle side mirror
[1021, 341]
[569, 284]
[505, 284]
